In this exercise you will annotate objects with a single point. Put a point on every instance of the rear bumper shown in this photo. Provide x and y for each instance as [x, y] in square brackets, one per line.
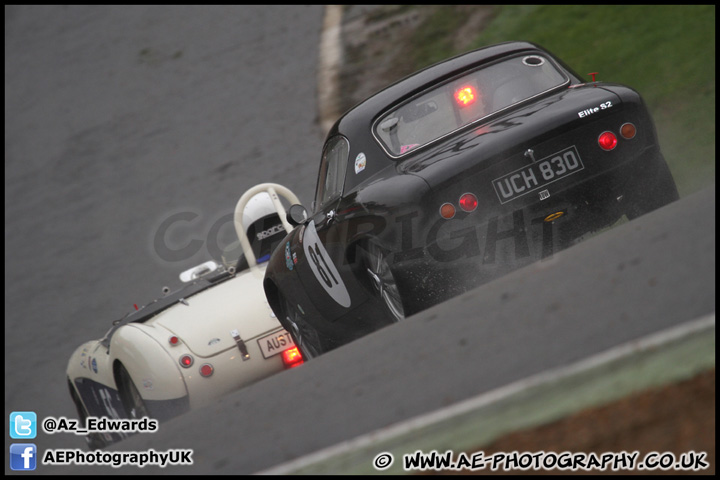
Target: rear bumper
[471, 249]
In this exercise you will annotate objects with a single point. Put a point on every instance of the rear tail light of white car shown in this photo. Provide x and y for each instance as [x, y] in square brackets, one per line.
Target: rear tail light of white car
[186, 361]
[292, 357]
[174, 340]
[206, 370]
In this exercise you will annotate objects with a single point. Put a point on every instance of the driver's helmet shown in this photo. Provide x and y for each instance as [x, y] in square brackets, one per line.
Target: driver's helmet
[262, 225]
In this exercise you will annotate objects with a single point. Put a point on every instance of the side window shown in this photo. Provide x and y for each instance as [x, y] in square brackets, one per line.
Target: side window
[332, 171]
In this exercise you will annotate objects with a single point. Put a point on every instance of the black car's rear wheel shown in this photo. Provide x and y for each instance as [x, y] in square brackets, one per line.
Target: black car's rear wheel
[374, 264]
[129, 395]
[305, 337]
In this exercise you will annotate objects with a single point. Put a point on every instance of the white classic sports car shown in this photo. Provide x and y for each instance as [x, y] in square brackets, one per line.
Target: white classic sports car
[215, 334]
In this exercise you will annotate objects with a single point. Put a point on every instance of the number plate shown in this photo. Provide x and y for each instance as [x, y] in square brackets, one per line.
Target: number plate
[538, 174]
[275, 343]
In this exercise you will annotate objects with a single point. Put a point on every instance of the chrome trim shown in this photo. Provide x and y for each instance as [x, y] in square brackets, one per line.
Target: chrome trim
[525, 61]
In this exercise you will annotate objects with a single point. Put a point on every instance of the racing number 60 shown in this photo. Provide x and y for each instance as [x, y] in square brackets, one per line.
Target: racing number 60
[316, 256]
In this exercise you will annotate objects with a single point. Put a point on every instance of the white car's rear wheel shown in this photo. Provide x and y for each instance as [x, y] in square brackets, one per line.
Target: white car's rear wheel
[130, 396]
[94, 440]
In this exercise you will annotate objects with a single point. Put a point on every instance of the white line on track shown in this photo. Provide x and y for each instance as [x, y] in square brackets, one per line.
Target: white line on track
[646, 343]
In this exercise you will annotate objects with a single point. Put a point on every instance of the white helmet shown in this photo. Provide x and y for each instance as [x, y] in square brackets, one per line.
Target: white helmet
[259, 206]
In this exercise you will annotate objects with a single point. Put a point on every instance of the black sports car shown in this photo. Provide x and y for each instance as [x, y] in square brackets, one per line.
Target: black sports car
[453, 176]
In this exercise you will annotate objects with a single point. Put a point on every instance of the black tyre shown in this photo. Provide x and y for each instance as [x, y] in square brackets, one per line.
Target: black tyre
[375, 267]
[94, 440]
[655, 192]
[129, 395]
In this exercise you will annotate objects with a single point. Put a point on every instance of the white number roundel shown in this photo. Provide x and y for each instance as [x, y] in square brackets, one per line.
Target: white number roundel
[323, 267]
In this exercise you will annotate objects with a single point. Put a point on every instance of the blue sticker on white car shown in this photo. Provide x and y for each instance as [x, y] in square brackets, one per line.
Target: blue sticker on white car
[323, 267]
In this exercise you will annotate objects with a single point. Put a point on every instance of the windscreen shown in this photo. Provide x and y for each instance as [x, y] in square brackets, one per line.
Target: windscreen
[468, 99]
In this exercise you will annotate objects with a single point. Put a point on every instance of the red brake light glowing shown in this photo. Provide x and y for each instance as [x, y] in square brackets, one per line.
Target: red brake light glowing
[186, 361]
[465, 96]
[292, 357]
[468, 202]
[607, 141]
[447, 211]
[206, 370]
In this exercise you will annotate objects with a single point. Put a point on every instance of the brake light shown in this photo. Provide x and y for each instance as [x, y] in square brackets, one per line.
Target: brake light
[607, 141]
[186, 361]
[174, 340]
[465, 96]
[206, 370]
[468, 202]
[292, 357]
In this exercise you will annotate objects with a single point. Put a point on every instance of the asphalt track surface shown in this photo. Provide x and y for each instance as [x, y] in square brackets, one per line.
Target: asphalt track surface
[117, 118]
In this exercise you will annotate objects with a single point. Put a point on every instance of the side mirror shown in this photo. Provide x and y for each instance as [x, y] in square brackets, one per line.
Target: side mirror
[296, 215]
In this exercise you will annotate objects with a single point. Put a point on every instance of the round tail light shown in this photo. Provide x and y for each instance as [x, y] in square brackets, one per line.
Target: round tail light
[206, 370]
[628, 131]
[607, 141]
[447, 211]
[468, 202]
[186, 361]
[174, 340]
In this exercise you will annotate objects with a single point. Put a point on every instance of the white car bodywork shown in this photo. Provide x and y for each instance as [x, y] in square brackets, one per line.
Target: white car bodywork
[220, 319]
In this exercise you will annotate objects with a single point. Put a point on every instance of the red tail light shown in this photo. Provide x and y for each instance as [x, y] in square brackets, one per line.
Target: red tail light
[292, 357]
[186, 361]
[468, 202]
[607, 141]
[174, 340]
[206, 370]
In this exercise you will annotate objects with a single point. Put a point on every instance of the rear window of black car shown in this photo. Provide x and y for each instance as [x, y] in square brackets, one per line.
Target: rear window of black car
[465, 100]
